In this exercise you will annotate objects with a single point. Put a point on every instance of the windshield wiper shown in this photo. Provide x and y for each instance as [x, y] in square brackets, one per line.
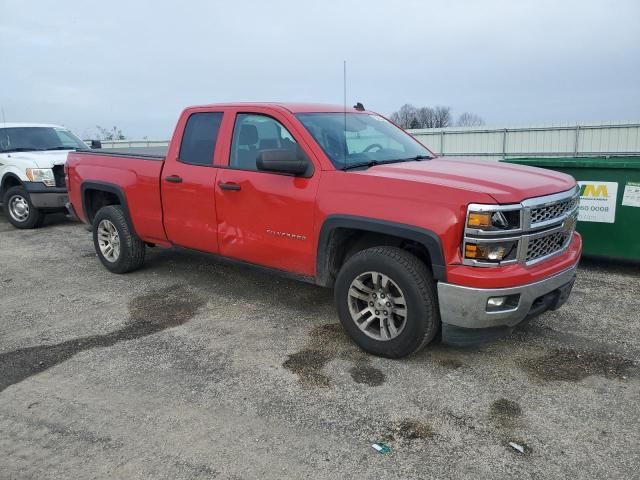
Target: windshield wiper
[416, 158]
[21, 149]
[370, 163]
[373, 163]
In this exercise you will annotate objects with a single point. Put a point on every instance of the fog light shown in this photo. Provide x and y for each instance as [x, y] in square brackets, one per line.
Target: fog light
[503, 303]
[494, 302]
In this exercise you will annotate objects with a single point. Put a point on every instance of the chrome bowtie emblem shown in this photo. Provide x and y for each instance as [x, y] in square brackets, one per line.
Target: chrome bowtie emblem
[569, 223]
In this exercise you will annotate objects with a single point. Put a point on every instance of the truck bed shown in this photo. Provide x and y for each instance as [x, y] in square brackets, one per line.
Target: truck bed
[131, 173]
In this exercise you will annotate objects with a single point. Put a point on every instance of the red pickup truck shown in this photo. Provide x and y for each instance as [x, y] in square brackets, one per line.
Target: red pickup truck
[414, 246]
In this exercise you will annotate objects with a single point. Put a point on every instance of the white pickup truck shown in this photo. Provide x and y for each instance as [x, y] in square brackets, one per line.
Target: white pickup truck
[32, 158]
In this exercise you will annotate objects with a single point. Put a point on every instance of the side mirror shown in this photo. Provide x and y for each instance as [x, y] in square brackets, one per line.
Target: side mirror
[292, 162]
[96, 144]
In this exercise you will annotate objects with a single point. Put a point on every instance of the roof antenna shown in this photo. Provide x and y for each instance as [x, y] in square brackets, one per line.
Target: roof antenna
[4, 121]
[344, 78]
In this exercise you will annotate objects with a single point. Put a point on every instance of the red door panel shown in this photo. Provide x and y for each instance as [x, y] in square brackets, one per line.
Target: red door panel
[188, 182]
[189, 206]
[269, 220]
[265, 218]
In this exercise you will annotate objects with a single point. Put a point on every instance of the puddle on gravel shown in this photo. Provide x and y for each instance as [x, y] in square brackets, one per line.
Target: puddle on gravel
[149, 314]
[362, 373]
[307, 365]
[505, 413]
[571, 365]
[328, 342]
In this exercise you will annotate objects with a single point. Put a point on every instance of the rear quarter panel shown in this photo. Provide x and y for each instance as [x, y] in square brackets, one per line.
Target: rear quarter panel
[138, 179]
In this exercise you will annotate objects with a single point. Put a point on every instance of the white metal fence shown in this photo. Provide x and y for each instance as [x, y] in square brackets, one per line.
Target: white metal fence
[496, 143]
[552, 141]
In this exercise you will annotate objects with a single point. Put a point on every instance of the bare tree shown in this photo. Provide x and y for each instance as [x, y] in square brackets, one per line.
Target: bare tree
[442, 117]
[110, 134]
[405, 115]
[426, 117]
[469, 120]
[436, 117]
[439, 116]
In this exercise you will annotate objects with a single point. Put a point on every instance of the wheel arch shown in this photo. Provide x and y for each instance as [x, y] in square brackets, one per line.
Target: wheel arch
[96, 195]
[343, 235]
[9, 180]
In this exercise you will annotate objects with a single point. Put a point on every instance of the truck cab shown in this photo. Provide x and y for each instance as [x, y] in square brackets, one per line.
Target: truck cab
[32, 158]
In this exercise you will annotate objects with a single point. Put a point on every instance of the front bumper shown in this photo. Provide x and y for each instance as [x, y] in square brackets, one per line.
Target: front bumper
[466, 318]
[47, 197]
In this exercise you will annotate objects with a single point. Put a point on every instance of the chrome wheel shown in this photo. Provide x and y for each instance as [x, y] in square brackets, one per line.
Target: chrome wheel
[377, 306]
[108, 241]
[18, 208]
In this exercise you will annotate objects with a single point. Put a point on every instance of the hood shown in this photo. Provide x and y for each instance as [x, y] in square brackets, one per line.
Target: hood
[505, 182]
[46, 159]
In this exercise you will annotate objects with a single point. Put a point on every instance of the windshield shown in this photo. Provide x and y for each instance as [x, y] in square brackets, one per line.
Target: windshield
[367, 139]
[31, 139]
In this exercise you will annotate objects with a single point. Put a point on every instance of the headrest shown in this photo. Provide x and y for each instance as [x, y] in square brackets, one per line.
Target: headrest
[248, 135]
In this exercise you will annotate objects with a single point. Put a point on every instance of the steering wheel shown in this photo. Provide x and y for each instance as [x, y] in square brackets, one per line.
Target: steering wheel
[372, 146]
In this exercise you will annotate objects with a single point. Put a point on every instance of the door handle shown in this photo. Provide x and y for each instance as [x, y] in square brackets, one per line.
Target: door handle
[229, 186]
[173, 179]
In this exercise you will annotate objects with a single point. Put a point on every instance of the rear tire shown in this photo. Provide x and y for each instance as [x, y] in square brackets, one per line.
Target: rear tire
[118, 248]
[19, 209]
[397, 294]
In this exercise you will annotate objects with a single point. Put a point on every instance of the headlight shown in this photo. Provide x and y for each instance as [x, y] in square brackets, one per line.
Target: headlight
[490, 251]
[481, 219]
[44, 175]
[492, 234]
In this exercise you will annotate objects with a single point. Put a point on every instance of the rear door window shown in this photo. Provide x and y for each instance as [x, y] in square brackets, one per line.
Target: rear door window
[199, 138]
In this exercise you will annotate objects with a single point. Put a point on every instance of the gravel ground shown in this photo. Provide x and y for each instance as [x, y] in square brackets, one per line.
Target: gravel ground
[194, 368]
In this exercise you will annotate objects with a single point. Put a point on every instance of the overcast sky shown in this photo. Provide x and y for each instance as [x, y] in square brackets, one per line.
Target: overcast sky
[136, 64]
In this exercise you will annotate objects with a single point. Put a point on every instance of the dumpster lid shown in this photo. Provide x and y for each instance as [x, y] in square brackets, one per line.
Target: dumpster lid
[578, 162]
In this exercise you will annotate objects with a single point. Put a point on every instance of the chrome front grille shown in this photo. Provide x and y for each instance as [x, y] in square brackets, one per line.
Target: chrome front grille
[553, 211]
[546, 229]
[552, 220]
[541, 247]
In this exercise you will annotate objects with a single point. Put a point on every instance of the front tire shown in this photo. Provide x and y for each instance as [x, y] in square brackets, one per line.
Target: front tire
[118, 248]
[387, 301]
[20, 210]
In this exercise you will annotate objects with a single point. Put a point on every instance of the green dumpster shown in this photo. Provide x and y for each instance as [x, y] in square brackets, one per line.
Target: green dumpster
[609, 217]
